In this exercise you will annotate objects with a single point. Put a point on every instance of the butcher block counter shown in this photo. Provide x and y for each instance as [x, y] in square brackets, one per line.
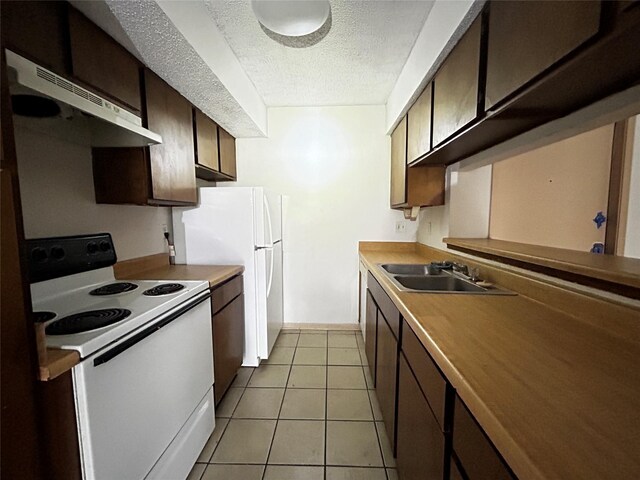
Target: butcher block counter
[552, 375]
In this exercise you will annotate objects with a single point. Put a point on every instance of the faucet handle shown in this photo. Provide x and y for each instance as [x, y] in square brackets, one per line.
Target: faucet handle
[459, 267]
[474, 274]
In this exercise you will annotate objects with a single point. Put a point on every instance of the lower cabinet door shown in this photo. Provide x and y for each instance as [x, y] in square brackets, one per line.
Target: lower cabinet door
[386, 366]
[477, 455]
[228, 345]
[371, 334]
[420, 443]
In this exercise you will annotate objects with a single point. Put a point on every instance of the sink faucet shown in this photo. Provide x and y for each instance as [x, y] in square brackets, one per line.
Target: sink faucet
[472, 274]
[461, 268]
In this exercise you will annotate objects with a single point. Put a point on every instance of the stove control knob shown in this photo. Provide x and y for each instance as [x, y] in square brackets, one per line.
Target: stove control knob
[39, 254]
[57, 253]
[105, 246]
[92, 247]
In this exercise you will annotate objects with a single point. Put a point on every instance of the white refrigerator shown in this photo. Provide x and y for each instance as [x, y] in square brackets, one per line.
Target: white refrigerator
[240, 226]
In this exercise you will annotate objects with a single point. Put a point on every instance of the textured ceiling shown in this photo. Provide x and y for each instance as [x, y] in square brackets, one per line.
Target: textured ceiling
[143, 28]
[357, 63]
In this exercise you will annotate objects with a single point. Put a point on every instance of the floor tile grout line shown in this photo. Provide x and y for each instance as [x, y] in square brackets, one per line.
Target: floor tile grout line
[266, 464]
[326, 410]
[244, 389]
[375, 426]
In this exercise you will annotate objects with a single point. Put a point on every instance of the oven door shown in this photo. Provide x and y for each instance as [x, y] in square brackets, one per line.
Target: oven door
[133, 397]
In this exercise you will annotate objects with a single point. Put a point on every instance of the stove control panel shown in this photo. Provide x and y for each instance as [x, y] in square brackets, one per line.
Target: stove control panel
[56, 257]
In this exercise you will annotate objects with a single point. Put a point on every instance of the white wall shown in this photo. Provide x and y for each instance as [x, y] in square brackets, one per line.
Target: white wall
[56, 186]
[632, 237]
[465, 213]
[333, 163]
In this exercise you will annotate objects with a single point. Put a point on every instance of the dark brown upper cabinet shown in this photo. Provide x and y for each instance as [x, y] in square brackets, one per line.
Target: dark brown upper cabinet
[227, 146]
[170, 115]
[38, 31]
[215, 150]
[526, 38]
[419, 126]
[413, 187]
[539, 61]
[98, 61]
[455, 86]
[161, 174]
[206, 142]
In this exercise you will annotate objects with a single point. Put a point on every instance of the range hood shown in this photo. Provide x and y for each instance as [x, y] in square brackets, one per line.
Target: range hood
[110, 125]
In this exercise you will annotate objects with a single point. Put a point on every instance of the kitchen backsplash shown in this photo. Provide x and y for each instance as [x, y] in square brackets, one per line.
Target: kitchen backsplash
[56, 186]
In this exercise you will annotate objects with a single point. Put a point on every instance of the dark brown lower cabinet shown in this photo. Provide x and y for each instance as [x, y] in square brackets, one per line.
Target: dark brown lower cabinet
[228, 334]
[477, 455]
[386, 369]
[371, 332]
[420, 443]
[455, 472]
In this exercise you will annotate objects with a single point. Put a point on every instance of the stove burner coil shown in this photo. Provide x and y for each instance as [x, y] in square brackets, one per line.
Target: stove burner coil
[86, 321]
[113, 288]
[43, 316]
[163, 289]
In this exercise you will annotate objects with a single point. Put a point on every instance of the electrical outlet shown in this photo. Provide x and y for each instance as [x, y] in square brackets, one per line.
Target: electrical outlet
[401, 226]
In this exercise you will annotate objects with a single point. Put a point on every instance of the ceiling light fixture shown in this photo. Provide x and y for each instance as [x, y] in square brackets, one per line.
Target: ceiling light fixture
[294, 23]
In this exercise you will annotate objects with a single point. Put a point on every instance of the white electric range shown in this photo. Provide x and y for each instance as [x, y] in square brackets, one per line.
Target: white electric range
[143, 389]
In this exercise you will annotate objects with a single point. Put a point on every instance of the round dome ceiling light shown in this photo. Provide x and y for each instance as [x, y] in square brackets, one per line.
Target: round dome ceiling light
[294, 23]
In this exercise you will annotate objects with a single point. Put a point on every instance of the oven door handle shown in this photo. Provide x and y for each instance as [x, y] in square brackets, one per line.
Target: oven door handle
[164, 321]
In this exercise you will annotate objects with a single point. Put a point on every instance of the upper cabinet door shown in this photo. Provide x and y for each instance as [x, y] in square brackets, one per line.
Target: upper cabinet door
[455, 86]
[227, 145]
[172, 162]
[99, 61]
[37, 30]
[399, 164]
[526, 38]
[206, 141]
[419, 126]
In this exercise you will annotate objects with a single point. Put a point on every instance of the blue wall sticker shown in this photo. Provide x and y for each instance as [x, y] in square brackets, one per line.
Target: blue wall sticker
[600, 219]
[597, 248]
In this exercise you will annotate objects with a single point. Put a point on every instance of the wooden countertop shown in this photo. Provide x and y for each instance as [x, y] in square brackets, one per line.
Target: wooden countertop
[558, 394]
[610, 268]
[214, 274]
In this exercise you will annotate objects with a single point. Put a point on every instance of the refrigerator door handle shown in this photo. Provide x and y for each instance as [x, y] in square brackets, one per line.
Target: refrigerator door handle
[268, 212]
[270, 282]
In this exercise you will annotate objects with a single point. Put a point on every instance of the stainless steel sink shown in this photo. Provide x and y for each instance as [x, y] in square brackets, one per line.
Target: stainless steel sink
[442, 283]
[426, 278]
[410, 269]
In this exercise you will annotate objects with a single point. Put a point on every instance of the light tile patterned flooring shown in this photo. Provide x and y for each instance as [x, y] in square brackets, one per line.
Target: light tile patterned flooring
[307, 413]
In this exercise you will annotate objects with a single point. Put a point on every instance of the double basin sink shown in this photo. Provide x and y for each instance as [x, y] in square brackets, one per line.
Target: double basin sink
[429, 279]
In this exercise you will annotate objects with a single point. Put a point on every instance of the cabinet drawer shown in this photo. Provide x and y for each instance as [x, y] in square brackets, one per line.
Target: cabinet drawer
[431, 381]
[386, 306]
[421, 444]
[226, 292]
[478, 457]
